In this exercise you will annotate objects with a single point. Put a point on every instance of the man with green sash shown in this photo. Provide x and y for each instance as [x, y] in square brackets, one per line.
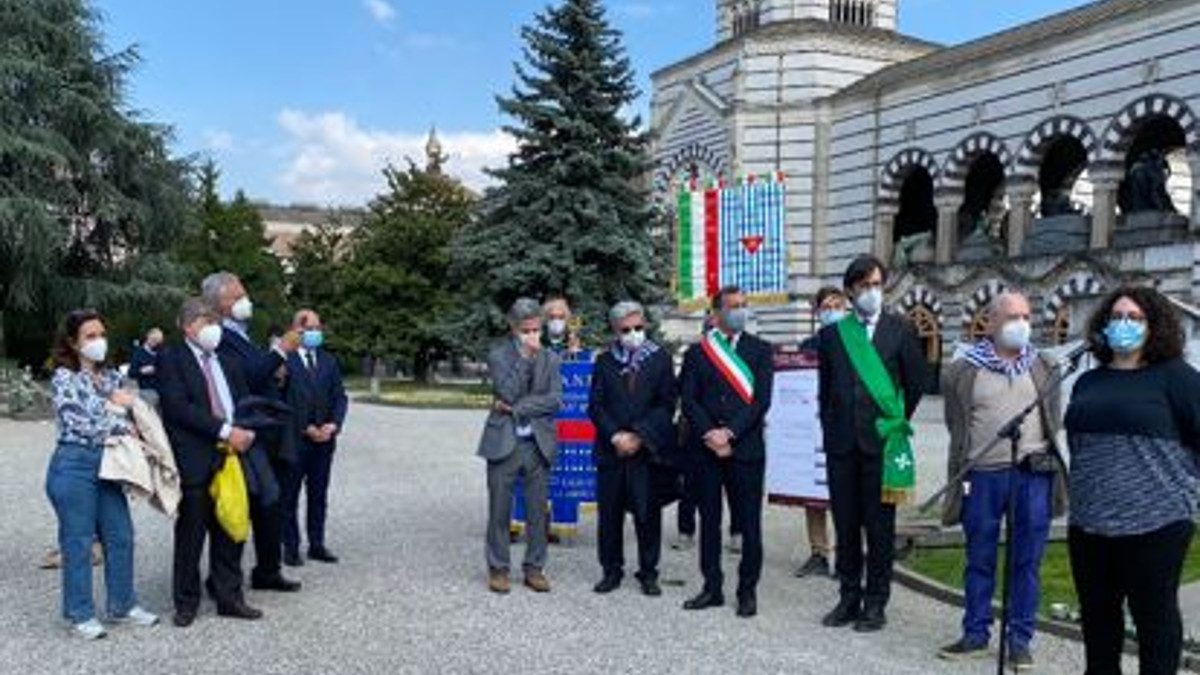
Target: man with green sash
[872, 376]
[726, 392]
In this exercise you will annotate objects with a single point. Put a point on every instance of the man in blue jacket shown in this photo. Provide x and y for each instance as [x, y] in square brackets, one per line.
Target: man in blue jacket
[265, 371]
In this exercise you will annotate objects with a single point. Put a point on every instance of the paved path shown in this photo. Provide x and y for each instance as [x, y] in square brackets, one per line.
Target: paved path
[407, 517]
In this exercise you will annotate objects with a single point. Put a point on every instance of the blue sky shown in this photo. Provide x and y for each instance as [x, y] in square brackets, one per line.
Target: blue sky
[305, 100]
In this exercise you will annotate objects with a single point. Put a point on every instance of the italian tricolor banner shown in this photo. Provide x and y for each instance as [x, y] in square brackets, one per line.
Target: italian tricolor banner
[732, 235]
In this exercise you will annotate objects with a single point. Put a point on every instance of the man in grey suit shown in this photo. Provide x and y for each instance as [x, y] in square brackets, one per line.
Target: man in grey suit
[520, 439]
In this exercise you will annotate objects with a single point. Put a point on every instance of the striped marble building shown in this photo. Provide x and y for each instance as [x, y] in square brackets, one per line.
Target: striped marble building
[1008, 162]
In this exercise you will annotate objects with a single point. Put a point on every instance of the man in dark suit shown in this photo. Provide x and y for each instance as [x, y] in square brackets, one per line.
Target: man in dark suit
[726, 392]
[274, 451]
[200, 392]
[143, 365]
[632, 404]
[318, 402]
[854, 449]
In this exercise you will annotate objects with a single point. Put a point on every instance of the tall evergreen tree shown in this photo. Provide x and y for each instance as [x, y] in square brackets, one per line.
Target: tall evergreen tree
[572, 213]
[231, 236]
[90, 200]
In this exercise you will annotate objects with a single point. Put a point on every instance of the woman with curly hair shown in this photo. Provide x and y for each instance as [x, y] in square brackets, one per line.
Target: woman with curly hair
[1134, 431]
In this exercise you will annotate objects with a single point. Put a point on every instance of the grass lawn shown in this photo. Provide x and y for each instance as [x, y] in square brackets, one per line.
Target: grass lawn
[415, 395]
[946, 565]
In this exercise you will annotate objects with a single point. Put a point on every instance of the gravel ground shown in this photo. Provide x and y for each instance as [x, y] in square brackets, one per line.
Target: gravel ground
[407, 517]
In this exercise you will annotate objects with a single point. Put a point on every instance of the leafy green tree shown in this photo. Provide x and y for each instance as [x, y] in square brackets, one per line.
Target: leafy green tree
[395, 292]
[231, 236]
[572, 213]
[318, 255]
[90, 199]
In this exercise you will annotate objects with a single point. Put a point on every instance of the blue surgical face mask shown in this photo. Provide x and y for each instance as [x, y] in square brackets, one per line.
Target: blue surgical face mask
[312, 339]
[828, 317]
[1125, 336]
[736, 319]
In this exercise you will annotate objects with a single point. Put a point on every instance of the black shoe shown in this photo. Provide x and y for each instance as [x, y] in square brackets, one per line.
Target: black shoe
[184, 618]
[275, 583]
[650, 586]
[239, 610]
[705, 600]
[293, 559]
[322, 554]
[963, 650]
[747, 606]
[871, 620]
[608, 584]
[816, 565]
[844, 614]
[1020, 659]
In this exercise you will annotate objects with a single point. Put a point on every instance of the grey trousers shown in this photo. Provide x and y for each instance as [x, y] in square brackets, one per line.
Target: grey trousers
[525, 461]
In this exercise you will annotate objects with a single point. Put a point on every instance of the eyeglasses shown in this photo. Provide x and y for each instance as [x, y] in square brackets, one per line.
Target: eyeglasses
[629, 329]
[1136, 317]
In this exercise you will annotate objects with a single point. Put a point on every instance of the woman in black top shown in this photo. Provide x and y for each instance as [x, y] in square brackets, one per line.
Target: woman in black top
[1134, 430]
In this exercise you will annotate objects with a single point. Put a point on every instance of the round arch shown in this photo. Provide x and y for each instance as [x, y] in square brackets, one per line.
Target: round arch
[693, 154]
[1124, 128]
[897, 170]
[1037, 143]
[954, 174]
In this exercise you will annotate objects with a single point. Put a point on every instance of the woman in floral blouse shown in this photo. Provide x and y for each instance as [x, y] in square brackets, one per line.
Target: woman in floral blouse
[90, 406]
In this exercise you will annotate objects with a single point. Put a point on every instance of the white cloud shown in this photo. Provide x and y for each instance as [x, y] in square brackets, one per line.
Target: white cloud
[333, 160]
[381, 10]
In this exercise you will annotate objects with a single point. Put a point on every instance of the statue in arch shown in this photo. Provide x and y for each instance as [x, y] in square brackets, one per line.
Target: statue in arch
[1145, 186]
[915, 249]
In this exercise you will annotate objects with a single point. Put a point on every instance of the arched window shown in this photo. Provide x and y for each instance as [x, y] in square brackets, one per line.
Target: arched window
[854, 12]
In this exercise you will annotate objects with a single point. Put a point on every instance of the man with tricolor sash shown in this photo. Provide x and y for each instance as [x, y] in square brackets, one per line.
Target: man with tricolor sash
[872, 375]
[726, 392]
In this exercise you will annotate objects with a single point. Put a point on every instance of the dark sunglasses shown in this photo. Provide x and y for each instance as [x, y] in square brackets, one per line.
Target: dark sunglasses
[629, 329]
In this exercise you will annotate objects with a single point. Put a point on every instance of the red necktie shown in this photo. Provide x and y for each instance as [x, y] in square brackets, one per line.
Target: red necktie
[214, 398]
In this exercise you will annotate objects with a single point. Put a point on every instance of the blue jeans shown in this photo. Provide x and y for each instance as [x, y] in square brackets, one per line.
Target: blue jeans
[982, 517]
[88, 507]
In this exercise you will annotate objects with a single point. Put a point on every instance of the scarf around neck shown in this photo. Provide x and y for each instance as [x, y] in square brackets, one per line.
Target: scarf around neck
[983, 355]
[631, 361]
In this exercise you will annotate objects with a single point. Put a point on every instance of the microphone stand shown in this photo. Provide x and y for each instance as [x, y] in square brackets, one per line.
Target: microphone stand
[1011, 431]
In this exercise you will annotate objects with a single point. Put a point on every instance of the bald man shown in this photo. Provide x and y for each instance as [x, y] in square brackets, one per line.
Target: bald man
[1000, 376]
[318, 401]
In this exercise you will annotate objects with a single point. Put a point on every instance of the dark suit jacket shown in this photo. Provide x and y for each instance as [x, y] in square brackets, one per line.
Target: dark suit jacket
[710, 402]
[142, 358]
[316, 398]
[187, 412]
[848, 412]
[647, 409]
[259, 367]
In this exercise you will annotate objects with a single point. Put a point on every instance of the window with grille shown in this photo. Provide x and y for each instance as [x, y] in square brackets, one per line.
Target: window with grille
[854, 12]
[747, 16]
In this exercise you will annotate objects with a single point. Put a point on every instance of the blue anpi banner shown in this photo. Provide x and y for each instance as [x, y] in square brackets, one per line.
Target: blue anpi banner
[573, 478]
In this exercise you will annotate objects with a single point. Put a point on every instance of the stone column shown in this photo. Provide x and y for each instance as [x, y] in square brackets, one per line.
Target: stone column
[1106, 179]
[885, 230]
[1020, 214]
[948, 204]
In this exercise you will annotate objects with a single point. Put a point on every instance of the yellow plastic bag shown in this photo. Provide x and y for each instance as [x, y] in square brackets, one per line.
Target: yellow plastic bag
[228, 490]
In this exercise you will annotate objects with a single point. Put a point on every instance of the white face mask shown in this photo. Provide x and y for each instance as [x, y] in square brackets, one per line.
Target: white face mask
[557, 327]
[633, 340]
[94, 350]
[243, 309]
[209, 338]
[1014, 335]
[870, 301]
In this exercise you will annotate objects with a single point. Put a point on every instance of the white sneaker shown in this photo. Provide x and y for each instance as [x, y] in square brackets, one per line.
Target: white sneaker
[137, 617]
[89, 630]
[735, 544]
